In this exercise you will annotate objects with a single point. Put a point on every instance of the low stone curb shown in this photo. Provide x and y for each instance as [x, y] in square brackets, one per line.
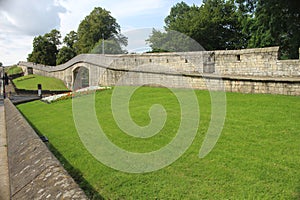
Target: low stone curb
[34, 172]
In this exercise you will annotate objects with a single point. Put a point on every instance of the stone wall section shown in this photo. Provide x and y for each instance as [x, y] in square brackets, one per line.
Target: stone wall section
[247, 70]
[261, 62]
[34, 172]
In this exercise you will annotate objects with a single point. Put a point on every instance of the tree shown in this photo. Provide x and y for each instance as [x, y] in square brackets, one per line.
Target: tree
[67, 52]
[277, 23]
[237, 24]
[44, 52]
[70, 39]
[54, 37]
[45, 48]
[179, 17]
[111, 46]
[217, 26]
[246, 14]
[96, 26]
[214, 25]
[172, 41]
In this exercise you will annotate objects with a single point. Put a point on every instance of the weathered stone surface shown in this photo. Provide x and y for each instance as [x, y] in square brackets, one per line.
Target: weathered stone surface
[34, 172]
[52, 183]
[258, 64]
[4, 181]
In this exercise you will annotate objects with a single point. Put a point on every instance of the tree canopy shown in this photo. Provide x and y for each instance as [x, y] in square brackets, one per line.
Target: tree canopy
[215, 25]
[277, 22]
[45, 48]
[236, 24]
[68, 51]
[171, 41]
[111, 46]
[97, 25]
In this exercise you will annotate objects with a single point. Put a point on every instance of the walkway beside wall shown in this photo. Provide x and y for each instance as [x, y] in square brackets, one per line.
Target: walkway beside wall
[4, 177]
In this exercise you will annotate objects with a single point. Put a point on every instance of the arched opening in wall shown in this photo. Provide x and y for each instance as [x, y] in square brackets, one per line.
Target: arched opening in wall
[81, 78]
[29, 70]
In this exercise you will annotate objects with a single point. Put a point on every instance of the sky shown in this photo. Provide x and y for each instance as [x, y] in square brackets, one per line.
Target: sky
[22, 20]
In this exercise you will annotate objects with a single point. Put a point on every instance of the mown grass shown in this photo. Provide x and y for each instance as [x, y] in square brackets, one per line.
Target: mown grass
[256, 157]
[30, 82]
[14, 70]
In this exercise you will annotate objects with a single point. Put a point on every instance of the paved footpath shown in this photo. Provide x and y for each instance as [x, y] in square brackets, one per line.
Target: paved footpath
[4, 177]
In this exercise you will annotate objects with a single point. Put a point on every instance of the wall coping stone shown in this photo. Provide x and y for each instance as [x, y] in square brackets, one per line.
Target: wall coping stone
[34, 171]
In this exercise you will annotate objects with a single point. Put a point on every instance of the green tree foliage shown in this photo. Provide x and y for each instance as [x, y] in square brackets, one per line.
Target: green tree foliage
[70, 39]
[45, 48]
[97, 25]
[111, 46]
[171, 41]
[87, 39]
[64, 55]
[54, 37]
[214, 25]
[67, 52]
[236, 24]
[277, 23]
[218, 26]
[178, 19]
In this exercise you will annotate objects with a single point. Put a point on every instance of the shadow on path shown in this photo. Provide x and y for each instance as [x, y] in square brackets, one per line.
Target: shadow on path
[16, 98]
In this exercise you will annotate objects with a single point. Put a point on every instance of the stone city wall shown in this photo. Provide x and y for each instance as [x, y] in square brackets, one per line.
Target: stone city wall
[247, 70]
[263, 85]
[255, 62]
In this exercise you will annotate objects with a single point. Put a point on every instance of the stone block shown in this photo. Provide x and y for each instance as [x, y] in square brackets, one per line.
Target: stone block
[34, 172]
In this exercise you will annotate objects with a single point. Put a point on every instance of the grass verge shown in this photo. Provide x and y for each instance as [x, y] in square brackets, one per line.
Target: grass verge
[256, 157]
[13, 70]
[30, 82]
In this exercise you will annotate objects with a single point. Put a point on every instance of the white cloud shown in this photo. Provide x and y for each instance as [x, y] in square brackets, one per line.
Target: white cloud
[20, 21]
[132, 15]
[30, 17]
[14, 48]
[129, 8]
[127, 12]
[76, 11]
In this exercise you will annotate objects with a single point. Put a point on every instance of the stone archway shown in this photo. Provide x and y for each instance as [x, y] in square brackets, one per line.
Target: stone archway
[81, 78]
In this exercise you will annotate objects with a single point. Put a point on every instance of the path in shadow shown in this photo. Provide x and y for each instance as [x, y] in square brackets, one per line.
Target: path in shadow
[75, 173]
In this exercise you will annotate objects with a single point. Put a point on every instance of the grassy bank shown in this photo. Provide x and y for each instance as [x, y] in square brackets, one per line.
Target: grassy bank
[30, 82]
[13, 70]
[256, 157]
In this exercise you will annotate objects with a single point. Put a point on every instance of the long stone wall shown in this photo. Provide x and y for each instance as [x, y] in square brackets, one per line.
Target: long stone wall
[247, 71]
[34, 172]
[255, 62]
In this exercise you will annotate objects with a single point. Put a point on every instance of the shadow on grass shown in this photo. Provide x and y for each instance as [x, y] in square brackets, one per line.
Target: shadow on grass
[75, 173]
[297, 195]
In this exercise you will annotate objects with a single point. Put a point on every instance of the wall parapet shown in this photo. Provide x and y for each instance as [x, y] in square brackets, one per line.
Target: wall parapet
[249, 51]
[247, 62]
[260, 64]
[34, 172]
[96, 59]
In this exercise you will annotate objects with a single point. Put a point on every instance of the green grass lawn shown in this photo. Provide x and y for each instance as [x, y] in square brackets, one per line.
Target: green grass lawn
[14, 70]
[30, 82]
[256, 157]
